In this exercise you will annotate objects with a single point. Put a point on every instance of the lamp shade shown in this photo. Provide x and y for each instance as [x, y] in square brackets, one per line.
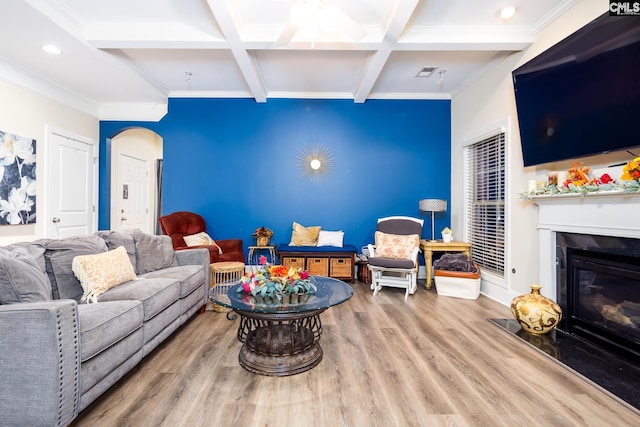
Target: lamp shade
[432, 205]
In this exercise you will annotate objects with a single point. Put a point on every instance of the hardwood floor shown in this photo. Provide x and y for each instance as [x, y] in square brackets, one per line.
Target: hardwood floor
[430, 361]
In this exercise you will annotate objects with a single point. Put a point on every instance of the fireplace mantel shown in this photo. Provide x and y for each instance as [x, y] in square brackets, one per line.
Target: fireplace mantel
[607, 213]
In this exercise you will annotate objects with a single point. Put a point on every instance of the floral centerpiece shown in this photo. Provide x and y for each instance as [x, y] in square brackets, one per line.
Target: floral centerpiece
[263, 235]
[276, 281]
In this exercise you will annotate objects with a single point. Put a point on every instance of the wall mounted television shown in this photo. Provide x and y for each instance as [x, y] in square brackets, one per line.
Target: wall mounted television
[581, 97]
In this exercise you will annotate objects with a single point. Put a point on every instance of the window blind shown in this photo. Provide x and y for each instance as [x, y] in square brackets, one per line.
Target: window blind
[485, 207]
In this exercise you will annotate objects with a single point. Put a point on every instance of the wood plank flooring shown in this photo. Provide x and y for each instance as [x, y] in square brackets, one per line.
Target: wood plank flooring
[430, 361]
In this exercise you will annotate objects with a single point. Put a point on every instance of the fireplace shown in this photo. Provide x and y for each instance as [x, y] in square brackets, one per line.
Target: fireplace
[598, 289]
[591, 241]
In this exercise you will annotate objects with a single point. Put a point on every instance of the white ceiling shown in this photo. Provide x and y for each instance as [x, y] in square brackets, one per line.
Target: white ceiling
[122, 59]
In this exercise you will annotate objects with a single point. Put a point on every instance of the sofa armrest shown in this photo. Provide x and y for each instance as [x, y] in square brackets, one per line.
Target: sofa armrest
[39, 363]
[198, 256]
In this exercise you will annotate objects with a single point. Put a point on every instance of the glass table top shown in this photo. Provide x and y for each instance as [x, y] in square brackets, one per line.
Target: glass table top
[329, 292]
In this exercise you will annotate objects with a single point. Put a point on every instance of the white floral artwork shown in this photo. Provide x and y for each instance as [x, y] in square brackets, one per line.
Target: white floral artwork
[17, 179]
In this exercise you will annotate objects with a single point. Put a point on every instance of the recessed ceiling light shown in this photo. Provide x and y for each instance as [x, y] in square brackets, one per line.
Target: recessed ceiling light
[49, 48]
[507, 12]
[426, 71]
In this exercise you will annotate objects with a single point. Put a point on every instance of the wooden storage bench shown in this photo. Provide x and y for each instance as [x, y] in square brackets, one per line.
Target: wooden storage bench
[330, 261]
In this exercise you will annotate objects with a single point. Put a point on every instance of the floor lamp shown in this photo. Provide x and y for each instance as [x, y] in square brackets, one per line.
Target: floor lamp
[433, 206]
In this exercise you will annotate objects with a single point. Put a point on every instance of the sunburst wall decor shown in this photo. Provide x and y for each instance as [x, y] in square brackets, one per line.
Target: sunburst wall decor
[316, 162]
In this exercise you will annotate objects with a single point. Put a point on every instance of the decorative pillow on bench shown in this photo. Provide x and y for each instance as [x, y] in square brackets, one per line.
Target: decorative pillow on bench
[330, 238]
[304, 236]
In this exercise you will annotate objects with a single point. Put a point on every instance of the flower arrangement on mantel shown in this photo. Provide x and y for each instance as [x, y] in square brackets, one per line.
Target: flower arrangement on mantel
[579, 182]
[276, 281]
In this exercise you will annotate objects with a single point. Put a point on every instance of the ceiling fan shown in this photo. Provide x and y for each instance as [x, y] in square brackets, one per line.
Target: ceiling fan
[313, 20]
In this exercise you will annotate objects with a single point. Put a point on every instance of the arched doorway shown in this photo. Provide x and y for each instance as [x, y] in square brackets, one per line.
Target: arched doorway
[136, 162]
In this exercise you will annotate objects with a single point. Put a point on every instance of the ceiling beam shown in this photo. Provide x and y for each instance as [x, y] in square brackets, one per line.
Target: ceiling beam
[245, 60]
[151, 36]
[397, 22]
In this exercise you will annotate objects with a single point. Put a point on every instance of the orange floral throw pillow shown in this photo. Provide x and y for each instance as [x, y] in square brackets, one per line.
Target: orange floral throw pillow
[395, 245]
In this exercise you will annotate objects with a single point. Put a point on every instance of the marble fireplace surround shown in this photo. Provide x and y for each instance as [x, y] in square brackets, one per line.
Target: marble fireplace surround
[605, 214]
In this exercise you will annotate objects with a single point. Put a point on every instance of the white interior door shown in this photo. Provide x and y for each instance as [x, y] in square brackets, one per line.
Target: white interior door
[133, 188]
[71, 188]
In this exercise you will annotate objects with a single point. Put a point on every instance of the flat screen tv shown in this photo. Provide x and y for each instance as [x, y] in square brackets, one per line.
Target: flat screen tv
[582, 96]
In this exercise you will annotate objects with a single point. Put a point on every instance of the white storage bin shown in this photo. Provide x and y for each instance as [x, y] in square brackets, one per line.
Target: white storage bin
[457, 284]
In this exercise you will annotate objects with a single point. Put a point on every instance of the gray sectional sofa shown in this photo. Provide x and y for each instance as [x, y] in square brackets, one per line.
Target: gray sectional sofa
[58, 354]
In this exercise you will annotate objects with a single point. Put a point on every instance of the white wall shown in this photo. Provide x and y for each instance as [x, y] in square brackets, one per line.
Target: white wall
[23, 112]
[142, 144]
[489, 101]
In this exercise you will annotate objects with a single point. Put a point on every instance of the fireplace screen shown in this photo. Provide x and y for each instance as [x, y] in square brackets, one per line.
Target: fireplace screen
[603, 297]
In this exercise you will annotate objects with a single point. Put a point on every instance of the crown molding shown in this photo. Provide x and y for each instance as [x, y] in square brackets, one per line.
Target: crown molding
[46, 88]
[133, 111]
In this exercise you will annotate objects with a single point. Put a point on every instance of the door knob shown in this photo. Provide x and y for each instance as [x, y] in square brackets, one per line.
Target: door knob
[123, 219]
[55, 220]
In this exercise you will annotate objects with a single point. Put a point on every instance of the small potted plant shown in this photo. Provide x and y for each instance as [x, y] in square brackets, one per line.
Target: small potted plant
[447, 235]
[263, 235]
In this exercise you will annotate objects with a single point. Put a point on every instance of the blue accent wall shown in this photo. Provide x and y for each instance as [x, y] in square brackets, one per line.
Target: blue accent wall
[234, 161]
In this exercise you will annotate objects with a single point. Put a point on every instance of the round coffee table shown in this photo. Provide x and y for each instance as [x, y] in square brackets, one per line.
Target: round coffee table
[283, 338]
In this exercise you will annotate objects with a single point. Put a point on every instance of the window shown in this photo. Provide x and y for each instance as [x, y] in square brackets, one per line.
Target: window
[485, 201]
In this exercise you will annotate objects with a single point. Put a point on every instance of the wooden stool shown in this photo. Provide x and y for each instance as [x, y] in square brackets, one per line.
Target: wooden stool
[223, 275]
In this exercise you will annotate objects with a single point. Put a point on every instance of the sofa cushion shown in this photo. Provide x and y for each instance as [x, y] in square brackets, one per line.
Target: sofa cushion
[391, 262]
[21, 276]
[59, 256]
[397, 246]
[153, 252]
[156, 294]
[100, 272]
[114, 239]
[34, 249]
[102, 325]
[190, 277]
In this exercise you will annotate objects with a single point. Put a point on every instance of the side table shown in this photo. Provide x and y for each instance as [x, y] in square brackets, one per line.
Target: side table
[428, 247]
[223, 274]
[254, 254]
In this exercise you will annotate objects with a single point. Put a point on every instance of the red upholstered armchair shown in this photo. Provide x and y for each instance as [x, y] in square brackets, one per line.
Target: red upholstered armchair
[180, 224]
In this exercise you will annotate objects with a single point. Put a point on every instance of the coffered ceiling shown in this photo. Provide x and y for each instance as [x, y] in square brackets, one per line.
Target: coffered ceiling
[123, 59]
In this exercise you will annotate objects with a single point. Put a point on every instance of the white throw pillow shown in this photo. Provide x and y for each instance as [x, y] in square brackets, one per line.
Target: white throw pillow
[201, 239]
[100, 272]
[330, 238]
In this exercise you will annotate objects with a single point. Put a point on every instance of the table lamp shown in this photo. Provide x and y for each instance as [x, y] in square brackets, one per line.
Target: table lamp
[433, 206]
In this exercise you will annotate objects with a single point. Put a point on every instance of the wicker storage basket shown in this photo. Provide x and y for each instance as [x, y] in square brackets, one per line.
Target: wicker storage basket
[364, 274]
[341, 267]
[318, 266]
[295, 262]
